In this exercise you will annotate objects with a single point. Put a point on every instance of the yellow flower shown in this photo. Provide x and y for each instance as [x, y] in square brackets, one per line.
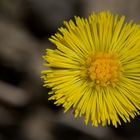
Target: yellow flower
[95, 68]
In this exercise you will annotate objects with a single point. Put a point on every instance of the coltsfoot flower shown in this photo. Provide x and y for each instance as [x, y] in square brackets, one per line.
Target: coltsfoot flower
[95, 68]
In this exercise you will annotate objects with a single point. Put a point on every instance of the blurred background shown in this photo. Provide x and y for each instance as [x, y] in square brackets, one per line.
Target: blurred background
[25, 112]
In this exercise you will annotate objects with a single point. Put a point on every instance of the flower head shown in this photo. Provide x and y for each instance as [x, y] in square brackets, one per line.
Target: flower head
[95, 68]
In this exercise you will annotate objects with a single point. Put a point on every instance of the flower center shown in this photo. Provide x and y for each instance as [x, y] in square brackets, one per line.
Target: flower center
[104, 69]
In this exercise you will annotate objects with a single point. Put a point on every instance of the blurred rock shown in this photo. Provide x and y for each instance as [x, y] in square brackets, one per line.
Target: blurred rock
[6, 117]
[16, 46]
[38, 125]
[2, 137]
[52, 11]
[40, 17]
[13, 95]
[12, 9]
[43, 17]
[77, 123]
[19, 51]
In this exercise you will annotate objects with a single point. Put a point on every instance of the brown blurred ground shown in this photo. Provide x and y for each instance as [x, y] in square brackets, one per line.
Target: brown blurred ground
[25, 113]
